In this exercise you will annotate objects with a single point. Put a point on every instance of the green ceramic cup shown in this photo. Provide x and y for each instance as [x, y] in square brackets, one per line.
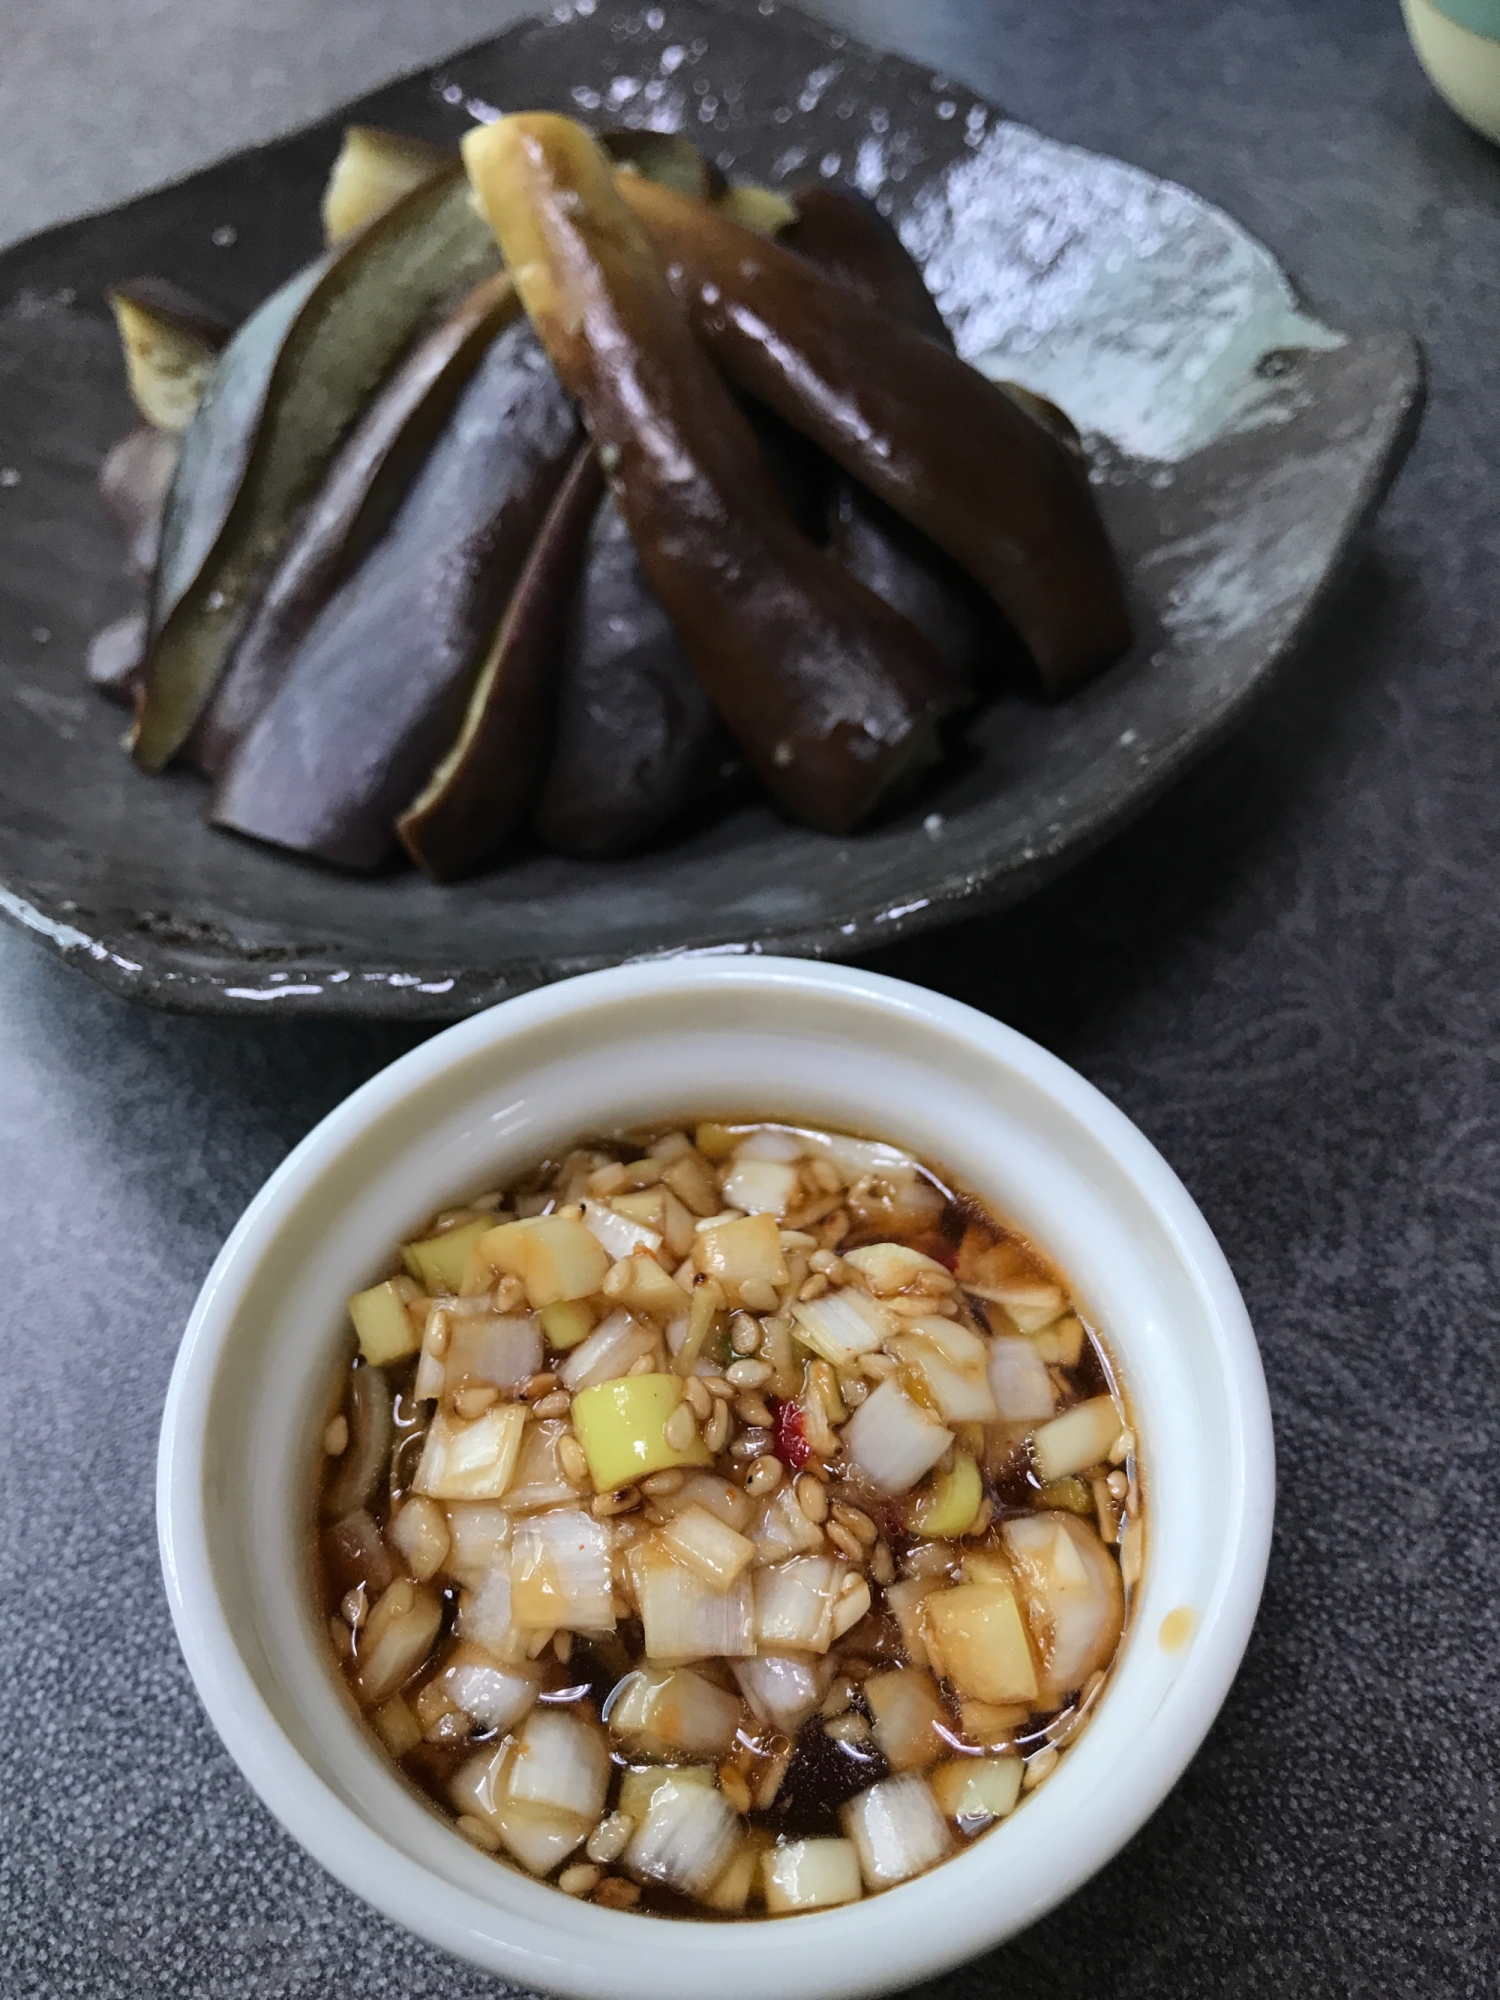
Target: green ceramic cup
[1458, 44]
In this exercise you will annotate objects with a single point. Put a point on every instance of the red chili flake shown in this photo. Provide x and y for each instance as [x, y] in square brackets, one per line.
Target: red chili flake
[791, 1445]
[947, 1255]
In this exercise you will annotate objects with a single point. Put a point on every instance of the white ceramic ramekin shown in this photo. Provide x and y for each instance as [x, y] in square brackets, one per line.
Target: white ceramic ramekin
[773, 1037]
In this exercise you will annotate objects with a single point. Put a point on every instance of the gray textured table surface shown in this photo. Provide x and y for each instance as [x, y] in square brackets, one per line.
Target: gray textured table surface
[1288, 975]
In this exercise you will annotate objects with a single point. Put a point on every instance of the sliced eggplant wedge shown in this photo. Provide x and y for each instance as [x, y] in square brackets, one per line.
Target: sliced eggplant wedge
[216, 446]
[481, 794]
[848, 238]
[833, 697]
[170, 344]
[351, 509]
[947, 449]
[356, 313]
[373, 170]
[638, 742]
[133, 483]
[666, 157]
[378, 689]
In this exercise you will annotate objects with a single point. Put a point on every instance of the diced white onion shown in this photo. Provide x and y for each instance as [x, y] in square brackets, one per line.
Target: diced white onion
[618, 1233]
[727, 1502]
[810, 1875]
[1080, 1437]
[661, 1713]
[892, 1440]
[760, 1187]
[476, 1786]
[504, 1349]
[685, 1618]
[782, 1529]
[560, 1762]
[1032, 1303]
[419, 1530]
[794, 1604]
[611, 1350]
[474, 1460]
[484, 1614]
[1019, 1381]
[858, 1156]
[560, 1571]
[639, 1785]
[907, 1712]
[537, 1481]
[962, 1394]
[538, 1837]
[976, 1790]
[897, 1829]
[718, 1553]
[769, 1142]
[478, 1531]
[783, 1689]
[1071, 1591]
[841, 1326]
[888, 1268]
[396, 1638]
[686, 1839]
[496, 1696]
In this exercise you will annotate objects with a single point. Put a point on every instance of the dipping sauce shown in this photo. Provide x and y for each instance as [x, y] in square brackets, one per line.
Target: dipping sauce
[724, 1521]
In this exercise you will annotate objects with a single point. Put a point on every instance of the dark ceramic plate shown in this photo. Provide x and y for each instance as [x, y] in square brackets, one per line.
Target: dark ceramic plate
[1238, 447]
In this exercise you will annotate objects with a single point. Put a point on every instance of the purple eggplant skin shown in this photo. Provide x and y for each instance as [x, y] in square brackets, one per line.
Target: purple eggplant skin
[378, 689]
[357, 500]
[638, 743]
[835, 699]
[934, 439]
[848, 238]
[479, 797]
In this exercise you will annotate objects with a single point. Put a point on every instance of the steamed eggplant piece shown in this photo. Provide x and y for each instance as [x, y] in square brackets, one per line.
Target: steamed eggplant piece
[377, 691]
[666, 157]
[638, 742]
[373, 170]
[848, 238]
[300, 376]
[374, 467]
[170, 344]
[133, 483]
[947, 449]
[833, 697]
[850, 241]
[481, 793]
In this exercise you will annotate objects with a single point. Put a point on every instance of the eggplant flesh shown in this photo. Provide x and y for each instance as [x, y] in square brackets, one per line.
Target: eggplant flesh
[377, 691]
[638, 742]
[834, 698]
[351, 317]
[944, 447]
[481, 793]
[170, 342]
[364, 486]
[374, 168]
